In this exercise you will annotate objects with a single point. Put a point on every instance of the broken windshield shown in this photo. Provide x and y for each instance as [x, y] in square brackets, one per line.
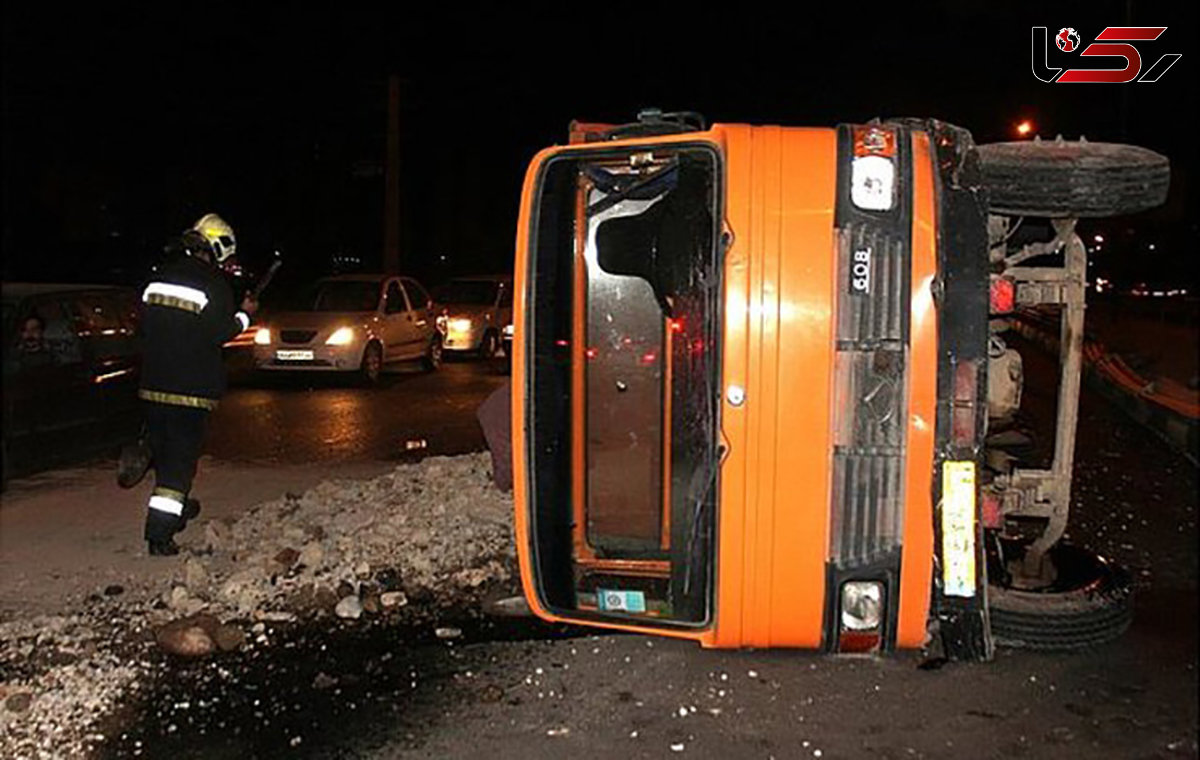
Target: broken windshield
[624, 331]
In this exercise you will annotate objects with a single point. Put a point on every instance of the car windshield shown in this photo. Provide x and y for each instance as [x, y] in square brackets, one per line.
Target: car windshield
[479, 292]
[349, 295]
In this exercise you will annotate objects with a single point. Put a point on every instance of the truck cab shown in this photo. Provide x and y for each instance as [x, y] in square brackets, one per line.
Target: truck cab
[751, 385]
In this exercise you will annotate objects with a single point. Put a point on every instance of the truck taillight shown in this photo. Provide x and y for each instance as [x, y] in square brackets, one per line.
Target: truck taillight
[1002, 295]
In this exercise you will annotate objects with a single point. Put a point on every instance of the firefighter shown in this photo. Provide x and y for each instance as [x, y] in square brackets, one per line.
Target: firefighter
[189, 312]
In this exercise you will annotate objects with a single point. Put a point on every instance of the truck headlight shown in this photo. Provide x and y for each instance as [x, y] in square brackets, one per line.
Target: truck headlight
[342, 336]
[862, 602]
[262, 336]
[461, 325]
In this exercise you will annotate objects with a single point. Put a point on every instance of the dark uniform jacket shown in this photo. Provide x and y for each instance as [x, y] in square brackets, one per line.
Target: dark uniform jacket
[188, 314]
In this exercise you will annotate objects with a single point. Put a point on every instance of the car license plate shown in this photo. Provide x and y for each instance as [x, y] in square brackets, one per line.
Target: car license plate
[294, 356]
[958, 528]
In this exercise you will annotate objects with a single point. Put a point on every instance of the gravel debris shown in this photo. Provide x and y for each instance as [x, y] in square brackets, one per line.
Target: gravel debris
[427, 536]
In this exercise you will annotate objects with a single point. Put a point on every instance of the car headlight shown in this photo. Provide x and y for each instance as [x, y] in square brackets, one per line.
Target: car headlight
[460, 325]
[262, 336]
[508, 331]
[341, 337]
[861, 605]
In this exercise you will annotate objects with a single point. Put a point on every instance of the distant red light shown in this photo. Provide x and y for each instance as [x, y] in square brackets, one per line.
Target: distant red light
[649, 357]
[676, 325]
[592, 353]
[562, 343]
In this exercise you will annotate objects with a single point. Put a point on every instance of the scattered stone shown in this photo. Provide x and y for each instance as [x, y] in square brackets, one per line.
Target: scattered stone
[448, 633]
[114, 589]
[195, 577]
[312, 555]
[371, 604]
[510, 606]
[362, 570]
[349, 608]
[177, 598]
[229, 638]
[286, 558]
[18, 702]
[491, 693]
[185, 638]
[390, 599]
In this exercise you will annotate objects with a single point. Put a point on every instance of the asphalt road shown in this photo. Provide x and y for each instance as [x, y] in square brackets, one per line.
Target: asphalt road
[488, 696]
[301, 418]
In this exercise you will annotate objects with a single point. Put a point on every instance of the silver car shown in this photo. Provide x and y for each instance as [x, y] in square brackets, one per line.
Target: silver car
[355, 324]
[474, 312]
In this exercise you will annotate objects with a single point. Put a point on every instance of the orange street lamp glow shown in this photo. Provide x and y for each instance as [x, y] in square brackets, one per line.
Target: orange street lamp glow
[1024, 128]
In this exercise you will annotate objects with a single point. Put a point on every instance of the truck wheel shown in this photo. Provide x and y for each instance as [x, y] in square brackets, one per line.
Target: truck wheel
[1091, 603]
[1072, 178]
[371, 368]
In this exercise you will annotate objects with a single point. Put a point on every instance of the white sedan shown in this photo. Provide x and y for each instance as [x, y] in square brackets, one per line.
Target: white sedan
[356, 323]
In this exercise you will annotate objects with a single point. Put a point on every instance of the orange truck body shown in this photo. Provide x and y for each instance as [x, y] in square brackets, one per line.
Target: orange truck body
[774, 573]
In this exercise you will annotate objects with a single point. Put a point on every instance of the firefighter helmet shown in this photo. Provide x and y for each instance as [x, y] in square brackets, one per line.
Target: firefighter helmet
[219, 235]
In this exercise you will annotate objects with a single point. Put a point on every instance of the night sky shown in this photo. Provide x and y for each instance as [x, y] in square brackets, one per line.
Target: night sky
[119, 129]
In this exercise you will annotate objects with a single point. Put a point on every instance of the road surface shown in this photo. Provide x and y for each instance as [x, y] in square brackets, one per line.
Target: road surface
[401, 694]
[312, 419]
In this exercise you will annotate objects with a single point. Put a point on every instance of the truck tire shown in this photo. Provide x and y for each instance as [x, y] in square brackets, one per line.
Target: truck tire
[1091, 603]
[1063, 178]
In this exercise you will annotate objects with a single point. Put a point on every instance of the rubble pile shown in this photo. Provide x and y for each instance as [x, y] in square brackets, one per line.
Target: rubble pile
[428, 537]
[435, 530]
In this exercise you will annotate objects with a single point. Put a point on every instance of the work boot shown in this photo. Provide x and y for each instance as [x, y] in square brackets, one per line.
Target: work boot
[133, 463]
[166, 548]
[161, 528]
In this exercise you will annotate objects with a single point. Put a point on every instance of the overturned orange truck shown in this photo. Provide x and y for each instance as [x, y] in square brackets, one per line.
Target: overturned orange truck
[756, 371]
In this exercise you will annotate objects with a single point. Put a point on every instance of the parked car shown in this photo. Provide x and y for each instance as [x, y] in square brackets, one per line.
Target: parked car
[474, 311]
[71, 361]
[354, 324]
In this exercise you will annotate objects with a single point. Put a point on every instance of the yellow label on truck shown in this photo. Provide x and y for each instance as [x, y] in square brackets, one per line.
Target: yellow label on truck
[958, 528]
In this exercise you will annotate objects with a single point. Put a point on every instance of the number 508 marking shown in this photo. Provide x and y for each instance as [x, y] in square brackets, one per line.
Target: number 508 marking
[860, 271]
